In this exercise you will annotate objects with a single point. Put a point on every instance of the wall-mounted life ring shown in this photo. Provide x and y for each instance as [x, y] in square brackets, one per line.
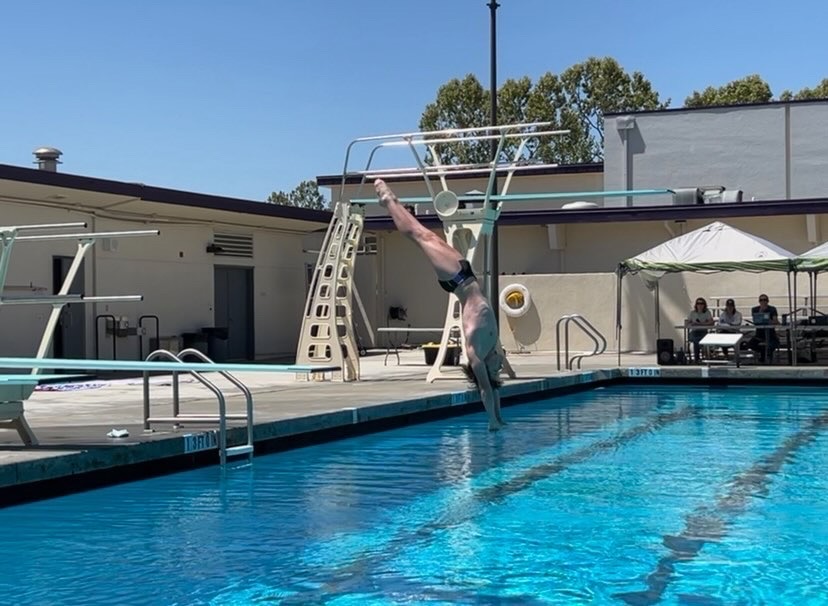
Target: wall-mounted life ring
[515, 300]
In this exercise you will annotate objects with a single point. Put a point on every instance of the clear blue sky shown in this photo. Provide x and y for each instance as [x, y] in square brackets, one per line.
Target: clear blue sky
[243, 97]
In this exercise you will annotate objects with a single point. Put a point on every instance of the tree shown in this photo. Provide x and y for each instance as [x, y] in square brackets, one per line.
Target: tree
[574, 100]
[820, 91]
[750, 89]
[304, 195]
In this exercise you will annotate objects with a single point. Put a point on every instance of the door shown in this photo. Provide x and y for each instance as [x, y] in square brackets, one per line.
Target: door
[70, 334]
[233, 309]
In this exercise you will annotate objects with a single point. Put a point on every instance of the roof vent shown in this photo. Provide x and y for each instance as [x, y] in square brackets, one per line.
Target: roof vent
[47, 158]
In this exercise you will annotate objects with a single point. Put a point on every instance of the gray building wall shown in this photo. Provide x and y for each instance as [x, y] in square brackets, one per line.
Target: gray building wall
[774, 151]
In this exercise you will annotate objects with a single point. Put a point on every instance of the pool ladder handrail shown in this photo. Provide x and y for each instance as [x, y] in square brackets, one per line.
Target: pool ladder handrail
[221, 418]
[589, 330]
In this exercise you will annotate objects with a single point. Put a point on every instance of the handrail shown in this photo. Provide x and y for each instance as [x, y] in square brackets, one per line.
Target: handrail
[244, 389]
[588, 329]
[600, 347]
[158, 353]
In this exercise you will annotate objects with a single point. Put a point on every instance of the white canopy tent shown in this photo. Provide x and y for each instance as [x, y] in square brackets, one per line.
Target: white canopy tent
[714, 248]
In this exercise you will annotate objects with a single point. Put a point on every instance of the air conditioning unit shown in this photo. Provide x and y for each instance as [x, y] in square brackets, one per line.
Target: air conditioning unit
[687, 196]
[731, 196]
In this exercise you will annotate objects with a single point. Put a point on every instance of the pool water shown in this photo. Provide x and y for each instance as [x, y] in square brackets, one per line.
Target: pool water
[618, 495]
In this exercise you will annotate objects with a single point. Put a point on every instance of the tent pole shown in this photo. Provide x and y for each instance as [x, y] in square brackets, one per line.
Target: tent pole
[657, 299]
[814, 293]
[792, 319]
[618, 313]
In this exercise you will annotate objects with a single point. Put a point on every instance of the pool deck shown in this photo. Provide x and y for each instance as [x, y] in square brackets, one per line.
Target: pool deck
[72, 426]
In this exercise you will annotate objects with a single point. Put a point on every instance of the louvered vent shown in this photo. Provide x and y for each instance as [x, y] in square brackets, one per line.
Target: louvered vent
[233, 245]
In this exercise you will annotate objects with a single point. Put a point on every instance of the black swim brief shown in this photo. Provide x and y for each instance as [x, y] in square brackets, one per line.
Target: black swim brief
[461, 276]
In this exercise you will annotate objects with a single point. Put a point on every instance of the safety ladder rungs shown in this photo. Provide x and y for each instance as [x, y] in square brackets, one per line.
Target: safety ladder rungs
[238, 451]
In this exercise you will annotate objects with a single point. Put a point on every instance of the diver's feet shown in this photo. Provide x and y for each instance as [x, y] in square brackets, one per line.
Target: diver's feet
[496, 425]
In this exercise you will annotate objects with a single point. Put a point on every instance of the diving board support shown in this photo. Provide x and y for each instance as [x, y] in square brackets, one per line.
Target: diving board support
[13, 416]
[12, 410]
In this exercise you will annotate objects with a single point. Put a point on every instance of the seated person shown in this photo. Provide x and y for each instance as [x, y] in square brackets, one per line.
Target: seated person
[765, 341]
[728, 319]
[700, 316]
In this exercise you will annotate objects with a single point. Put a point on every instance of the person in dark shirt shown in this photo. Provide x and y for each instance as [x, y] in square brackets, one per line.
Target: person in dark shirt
[765, 341]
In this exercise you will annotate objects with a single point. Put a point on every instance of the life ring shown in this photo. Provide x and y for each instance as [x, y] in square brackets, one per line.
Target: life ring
[515, 300]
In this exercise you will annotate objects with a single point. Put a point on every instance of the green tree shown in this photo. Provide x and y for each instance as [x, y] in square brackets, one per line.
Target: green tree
[820, 91]
[574, 100]
[750, 89]
[304, 195]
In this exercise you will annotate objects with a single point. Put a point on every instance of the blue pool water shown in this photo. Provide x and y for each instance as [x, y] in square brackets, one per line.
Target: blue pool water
[621, 495]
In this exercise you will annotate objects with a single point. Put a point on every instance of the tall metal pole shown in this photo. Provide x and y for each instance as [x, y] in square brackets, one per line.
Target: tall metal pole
[494, 247]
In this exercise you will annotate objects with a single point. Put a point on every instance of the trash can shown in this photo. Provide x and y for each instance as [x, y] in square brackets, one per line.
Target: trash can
[216, 342]
[194, 340]
[452, 357]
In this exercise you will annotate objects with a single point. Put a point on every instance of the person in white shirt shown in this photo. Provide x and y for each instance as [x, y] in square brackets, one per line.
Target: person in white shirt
[730, 316]
[699, 317]
[729, 319]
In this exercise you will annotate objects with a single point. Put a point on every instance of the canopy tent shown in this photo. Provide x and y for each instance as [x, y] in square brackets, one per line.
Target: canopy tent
[716, 247]
[813, 261]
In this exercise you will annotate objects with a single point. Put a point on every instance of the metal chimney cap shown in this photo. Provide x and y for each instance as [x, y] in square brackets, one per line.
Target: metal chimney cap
[48, 153]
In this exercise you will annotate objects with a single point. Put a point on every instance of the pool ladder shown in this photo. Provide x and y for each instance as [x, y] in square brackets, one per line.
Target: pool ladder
[221, 418]
[589, 330]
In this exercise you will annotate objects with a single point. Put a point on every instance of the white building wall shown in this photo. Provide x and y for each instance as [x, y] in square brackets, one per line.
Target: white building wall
[172, 271]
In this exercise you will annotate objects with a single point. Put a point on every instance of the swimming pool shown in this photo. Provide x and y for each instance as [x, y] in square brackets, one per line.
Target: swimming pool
[624, 494]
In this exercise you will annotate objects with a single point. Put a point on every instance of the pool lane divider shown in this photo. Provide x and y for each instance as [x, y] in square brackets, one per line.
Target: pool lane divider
[708, 523]
[339, 580]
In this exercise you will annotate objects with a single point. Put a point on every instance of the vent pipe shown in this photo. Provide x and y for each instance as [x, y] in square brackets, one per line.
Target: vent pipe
[47, 158]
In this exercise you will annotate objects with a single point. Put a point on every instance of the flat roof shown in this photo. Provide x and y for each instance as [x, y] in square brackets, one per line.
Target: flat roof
[730, 106]
[755, 208]
[161, 195]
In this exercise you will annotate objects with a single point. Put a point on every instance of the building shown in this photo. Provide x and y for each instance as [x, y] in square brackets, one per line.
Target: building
[218, 262]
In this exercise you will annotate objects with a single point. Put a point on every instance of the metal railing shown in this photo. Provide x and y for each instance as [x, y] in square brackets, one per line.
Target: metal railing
[178, 418]
[589, 330]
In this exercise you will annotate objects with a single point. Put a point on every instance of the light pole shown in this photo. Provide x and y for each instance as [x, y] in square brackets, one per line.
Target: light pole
[494, 246]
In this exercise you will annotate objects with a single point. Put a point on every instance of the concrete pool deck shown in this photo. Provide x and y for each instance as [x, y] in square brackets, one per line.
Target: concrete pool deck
[72, 426]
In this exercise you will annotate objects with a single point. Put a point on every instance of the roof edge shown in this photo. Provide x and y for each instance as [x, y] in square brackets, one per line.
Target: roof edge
[564, 169]
[161, 195]
[732, 106]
